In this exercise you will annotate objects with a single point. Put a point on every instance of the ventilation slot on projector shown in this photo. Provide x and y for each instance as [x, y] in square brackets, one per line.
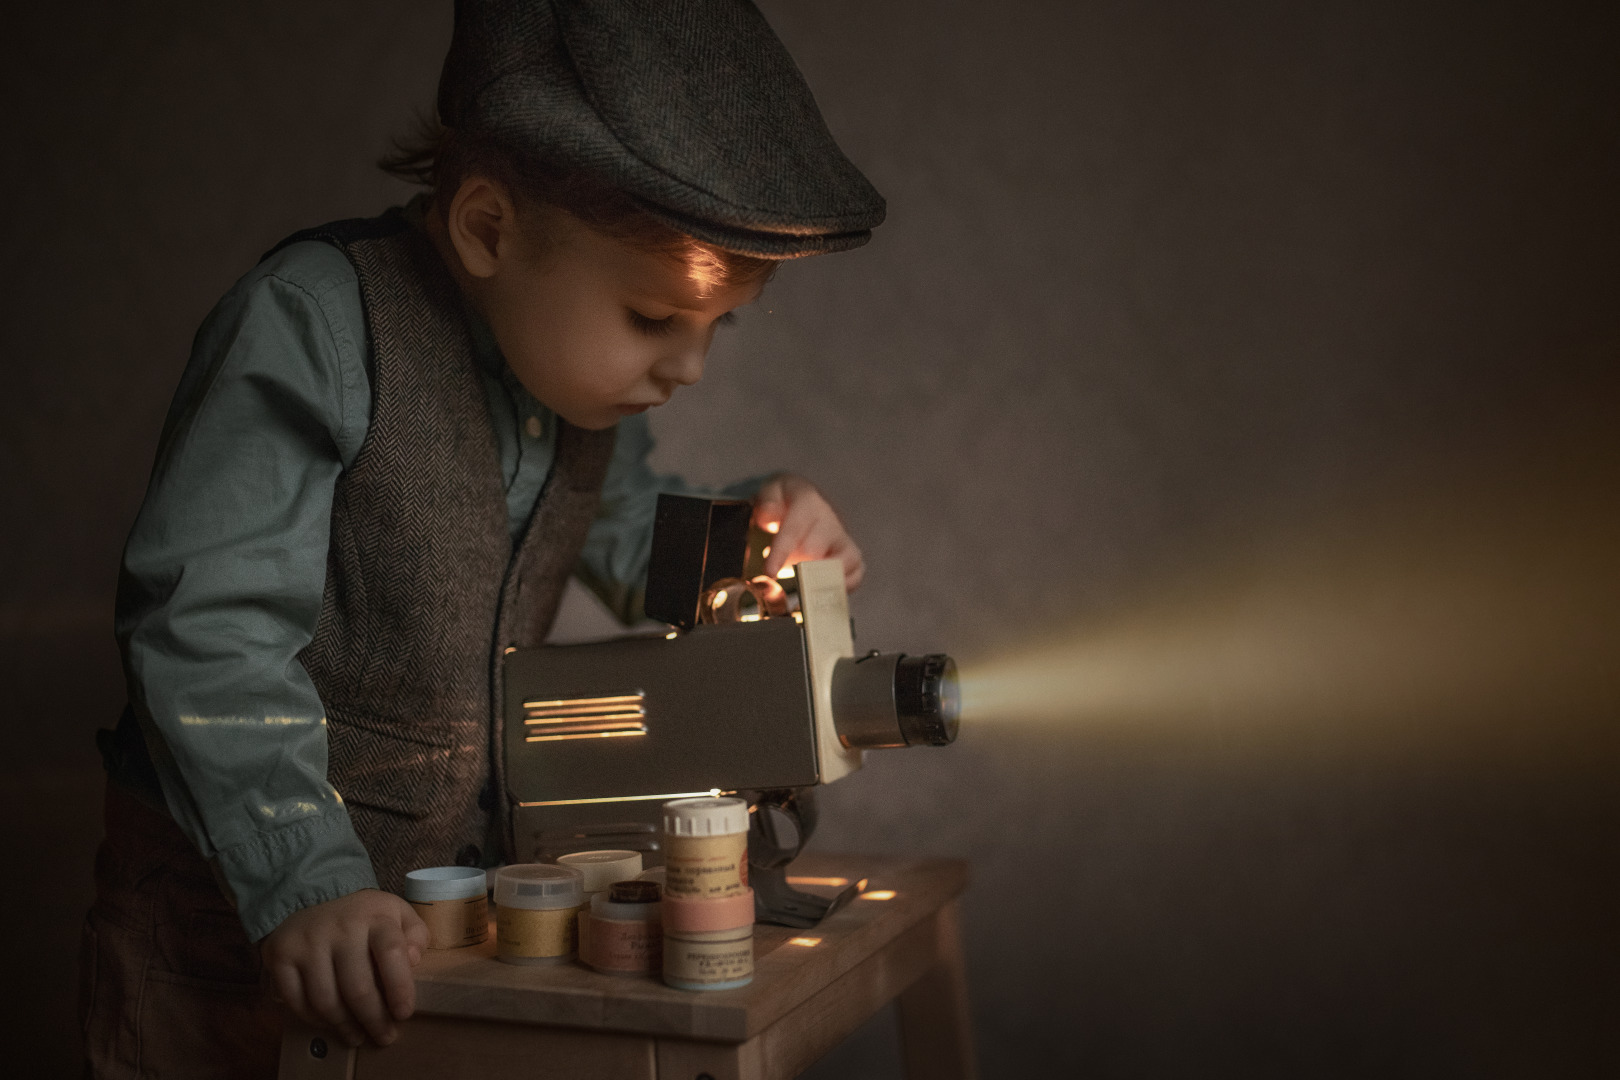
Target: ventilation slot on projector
[585, 718]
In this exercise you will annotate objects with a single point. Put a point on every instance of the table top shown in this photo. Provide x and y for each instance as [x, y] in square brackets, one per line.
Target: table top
[789, 965]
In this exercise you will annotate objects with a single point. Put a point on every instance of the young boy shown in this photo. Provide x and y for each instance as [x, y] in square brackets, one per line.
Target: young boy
[394, 441]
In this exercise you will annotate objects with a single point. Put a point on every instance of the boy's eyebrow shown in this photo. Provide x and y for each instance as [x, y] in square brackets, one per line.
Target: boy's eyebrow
[683, 302]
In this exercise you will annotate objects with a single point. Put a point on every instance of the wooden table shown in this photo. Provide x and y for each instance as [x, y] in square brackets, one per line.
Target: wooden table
[480, 1019]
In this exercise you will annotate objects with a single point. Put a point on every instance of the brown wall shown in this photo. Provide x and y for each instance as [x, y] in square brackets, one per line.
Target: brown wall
[1201, 326]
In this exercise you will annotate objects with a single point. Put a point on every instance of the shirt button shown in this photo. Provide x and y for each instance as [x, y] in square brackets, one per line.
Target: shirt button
[533, 426]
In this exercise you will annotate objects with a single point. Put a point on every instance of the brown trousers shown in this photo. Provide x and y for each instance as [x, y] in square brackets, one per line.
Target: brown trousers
[168, 981]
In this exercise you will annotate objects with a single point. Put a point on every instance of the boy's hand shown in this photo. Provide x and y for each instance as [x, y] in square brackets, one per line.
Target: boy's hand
[345, 965]
[806, 527]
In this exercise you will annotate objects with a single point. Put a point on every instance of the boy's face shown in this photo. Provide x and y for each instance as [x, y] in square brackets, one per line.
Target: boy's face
[594, 329]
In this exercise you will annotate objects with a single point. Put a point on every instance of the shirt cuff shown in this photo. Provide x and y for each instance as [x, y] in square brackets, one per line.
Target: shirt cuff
[308, 863]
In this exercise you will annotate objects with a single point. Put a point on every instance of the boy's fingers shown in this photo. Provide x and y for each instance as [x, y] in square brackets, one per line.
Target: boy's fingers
[854, 562]
[392, 956]
[416, 932]
[416, 938]
[770, 507]
[822, 539]
[789, 540]
[290, 988]
[325, 1005]
[768, 513]
[358, 985]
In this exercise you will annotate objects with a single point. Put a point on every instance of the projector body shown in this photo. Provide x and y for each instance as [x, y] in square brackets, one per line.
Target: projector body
[600, 735]
[755, 690]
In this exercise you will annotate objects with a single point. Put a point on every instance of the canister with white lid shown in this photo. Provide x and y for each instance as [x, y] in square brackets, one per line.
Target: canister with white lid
[599, 869]
[709, 944]
[452, 901]
[706, 847]
[536, 909]
[627, 934]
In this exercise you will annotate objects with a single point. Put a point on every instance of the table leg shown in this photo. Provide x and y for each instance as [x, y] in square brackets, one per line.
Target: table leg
[936, 1026]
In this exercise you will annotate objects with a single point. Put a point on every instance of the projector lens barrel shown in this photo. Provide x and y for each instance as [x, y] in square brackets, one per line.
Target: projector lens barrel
[891, 699]
[927, 699]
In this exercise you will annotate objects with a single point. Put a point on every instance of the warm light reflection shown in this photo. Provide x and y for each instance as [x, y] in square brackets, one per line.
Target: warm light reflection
[551, 704]
[807, 942]
[626, 798]
[831, 882]
[562, 719]
[879, 894]
[786, 572]
[618, 733]
[772, 527]
[719, 600]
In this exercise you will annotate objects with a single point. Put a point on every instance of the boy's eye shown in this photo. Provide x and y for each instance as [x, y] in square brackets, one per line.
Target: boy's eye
[654, 327]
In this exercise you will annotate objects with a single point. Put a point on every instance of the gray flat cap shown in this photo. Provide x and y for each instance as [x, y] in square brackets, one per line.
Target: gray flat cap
[692, 107]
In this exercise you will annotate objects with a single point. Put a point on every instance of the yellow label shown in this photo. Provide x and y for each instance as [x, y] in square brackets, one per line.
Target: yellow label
[454, 923]
[521, 932]
[706, 867]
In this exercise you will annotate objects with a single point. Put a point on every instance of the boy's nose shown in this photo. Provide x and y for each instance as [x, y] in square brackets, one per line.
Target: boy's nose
[682, 365]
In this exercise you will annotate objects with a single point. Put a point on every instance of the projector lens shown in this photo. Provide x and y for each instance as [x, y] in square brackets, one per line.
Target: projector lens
[927, 699]
[891, 699]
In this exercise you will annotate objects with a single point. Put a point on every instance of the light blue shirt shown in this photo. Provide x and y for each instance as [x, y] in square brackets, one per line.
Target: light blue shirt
[225, 569]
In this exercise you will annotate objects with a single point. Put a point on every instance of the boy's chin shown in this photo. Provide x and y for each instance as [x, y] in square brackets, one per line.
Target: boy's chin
[599, 419]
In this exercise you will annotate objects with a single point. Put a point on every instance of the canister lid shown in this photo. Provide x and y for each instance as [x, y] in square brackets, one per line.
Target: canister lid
[631, 901]
[658, 875]
[603, 868]
[539, 886]
[444, 883]
[725, 913]
[635, 891]
[705, 817]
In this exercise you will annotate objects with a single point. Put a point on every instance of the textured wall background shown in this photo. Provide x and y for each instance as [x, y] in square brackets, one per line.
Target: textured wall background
[1194, 314]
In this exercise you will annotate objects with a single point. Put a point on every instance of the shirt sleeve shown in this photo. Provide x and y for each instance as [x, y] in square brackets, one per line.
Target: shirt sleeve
[223, 577]
[613, 563]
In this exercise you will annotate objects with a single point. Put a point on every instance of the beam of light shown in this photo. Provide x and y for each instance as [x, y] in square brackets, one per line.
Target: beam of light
[1453, 604]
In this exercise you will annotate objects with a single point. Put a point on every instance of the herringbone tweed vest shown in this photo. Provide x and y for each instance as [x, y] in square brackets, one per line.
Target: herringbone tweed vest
[423, 587]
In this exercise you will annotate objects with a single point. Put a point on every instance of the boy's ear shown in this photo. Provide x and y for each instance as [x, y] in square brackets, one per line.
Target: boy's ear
[482, 223]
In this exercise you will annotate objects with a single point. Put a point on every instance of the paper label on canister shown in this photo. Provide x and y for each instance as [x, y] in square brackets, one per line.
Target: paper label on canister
[526, 933]
[710, 961]
[453, 924]
[706, 866]
[624, 945]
